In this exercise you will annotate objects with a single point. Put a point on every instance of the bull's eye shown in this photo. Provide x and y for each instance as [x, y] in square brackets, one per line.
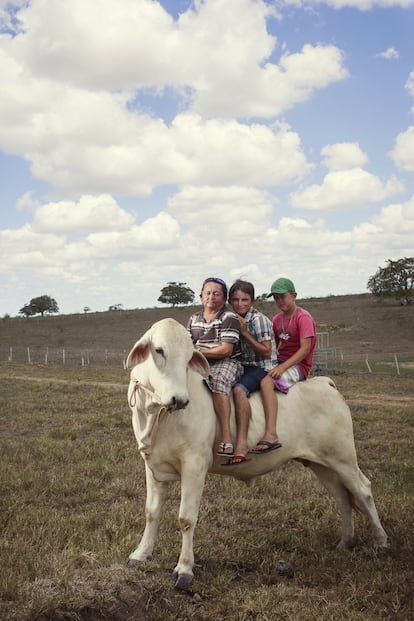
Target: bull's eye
[160, 351]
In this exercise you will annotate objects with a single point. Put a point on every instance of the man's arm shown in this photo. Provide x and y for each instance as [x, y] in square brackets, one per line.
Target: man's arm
[224, 350]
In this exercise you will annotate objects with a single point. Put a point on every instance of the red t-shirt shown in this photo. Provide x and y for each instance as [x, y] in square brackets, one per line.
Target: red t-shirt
[288, 333]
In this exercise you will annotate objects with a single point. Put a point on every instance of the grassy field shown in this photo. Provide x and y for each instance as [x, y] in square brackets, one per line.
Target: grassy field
[73, 491]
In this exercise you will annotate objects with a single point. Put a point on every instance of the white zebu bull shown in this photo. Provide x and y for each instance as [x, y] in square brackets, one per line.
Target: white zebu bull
[176, 429]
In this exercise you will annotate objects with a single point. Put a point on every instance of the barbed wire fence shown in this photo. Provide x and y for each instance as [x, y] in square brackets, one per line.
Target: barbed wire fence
[327, 360]
[64, 356]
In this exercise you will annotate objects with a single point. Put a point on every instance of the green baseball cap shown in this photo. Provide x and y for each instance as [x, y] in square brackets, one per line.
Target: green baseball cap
[282, 285]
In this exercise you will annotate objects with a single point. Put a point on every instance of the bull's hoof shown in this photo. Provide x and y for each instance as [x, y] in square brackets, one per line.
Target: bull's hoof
[283, 568]
[183, 582]
[346, 545]
[132, 562]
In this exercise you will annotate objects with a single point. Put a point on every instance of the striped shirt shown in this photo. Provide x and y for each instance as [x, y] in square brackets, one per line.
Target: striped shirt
[223, 328]
[260, 327]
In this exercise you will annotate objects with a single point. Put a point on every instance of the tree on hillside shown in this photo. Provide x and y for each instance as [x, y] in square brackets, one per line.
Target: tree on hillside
[175, 293]
[39, 306]
[395, 280]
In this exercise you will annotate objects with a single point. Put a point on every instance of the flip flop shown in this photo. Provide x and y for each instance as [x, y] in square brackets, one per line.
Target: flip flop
[223, 447]
[236, 460]
[270, 446]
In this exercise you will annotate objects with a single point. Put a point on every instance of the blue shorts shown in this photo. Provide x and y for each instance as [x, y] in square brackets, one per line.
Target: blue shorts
[251, 378]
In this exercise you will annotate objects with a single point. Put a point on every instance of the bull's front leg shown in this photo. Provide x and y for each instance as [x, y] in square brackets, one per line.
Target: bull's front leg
[193, 477]
[156, 493]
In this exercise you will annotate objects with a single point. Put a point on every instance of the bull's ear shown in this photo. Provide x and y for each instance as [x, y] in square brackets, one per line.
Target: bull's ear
[138, 353]
[199, 364]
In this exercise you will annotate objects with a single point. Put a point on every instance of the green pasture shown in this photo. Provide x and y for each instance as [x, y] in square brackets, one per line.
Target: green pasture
[72, 509]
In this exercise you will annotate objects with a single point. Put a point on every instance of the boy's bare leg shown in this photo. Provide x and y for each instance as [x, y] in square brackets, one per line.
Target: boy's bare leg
[270, 406]
[243, 413]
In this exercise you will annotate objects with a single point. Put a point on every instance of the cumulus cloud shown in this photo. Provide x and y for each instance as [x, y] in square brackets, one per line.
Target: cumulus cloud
[83, 128]
[389, 54]
[27, 201]
[90, 142]
[344, 155]
[278, 87]
[403, 151]
[136, 45]
[410, 86]
[361, 5]
[236, 211]
[345, 189]
[41, 252]
[397, 218]
[90, 213]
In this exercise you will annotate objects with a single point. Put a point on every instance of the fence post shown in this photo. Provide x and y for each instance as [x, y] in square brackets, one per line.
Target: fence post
[28, 356]
[367, 363]
[46, 355]
[396, 364]
[11, 354]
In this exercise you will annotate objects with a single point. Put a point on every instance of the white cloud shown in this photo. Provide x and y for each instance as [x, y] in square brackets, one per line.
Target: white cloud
[90, 213]
[83, 130]
[403, 151]
[410, 86]
[276, 88]
[114, 267]
[136, 45]
[361, 5]
[345, 189]
[389, 54]
[236, 212]
[26, 201]
[90, 142]
[344, 155]
[398, 219]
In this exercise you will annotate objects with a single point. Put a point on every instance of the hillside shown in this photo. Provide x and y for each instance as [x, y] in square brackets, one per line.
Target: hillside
[355, 324]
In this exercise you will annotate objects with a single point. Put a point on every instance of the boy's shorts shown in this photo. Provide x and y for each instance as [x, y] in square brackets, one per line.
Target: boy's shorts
[251, 378]
[289, 378]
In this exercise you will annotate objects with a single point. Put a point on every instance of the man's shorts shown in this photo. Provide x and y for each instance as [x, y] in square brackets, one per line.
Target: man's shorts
[223, 374]
[251, 378]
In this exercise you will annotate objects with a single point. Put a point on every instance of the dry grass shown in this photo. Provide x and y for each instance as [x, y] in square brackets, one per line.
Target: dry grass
[72, 489]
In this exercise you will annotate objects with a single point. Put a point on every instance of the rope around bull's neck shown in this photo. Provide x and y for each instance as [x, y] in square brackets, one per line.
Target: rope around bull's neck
[153, 418]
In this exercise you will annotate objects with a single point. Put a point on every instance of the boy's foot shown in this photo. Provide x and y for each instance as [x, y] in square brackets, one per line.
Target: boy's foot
[226, 449]
[236, 460]
[265, 447]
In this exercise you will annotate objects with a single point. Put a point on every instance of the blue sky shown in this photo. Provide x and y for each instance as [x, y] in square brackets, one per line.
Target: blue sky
[144, 142]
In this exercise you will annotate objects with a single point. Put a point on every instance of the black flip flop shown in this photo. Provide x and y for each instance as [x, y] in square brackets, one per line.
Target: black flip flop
[271, 446]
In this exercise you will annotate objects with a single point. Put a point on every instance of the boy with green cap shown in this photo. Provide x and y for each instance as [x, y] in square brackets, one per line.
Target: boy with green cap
[295, 333]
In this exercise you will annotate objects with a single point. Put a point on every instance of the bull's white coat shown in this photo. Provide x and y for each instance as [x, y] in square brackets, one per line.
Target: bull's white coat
[176, 430]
